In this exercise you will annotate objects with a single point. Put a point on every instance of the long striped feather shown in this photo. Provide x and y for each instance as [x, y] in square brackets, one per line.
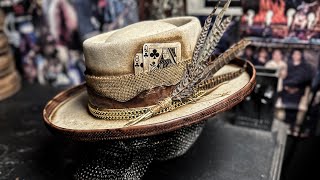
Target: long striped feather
[203, 34]
[199, 72]
[184, 88]
[226, 57]
[215, 34]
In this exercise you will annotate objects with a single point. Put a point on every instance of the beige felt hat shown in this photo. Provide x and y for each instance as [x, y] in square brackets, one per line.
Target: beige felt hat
[6, 64]
[9, 85]
[2, 18]
[130, 70]
[4, 47]
[9, 77]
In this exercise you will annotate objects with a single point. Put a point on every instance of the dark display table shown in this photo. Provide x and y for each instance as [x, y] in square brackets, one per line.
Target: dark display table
[223, 151]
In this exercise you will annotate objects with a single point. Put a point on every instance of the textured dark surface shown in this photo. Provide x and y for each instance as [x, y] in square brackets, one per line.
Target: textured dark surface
[29, 151]
[222, 152]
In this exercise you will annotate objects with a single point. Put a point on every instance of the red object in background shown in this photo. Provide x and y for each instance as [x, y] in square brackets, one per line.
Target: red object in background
[102, 3]
[278, 8]
[18, 9]
[264, 7]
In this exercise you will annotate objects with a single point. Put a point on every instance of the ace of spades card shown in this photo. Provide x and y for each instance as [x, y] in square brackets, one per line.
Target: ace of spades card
[161, 55]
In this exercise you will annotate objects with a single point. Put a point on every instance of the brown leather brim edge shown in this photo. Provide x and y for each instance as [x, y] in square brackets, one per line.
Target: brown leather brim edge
[145, 130]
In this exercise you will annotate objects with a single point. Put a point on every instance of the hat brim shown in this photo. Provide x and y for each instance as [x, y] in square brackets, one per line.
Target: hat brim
[67, 115]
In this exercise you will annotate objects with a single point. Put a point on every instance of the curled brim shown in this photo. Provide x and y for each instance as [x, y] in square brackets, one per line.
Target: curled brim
[67, 114]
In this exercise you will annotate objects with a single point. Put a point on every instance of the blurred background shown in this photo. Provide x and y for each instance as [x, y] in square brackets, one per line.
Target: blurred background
[45, 37]
[43, 40]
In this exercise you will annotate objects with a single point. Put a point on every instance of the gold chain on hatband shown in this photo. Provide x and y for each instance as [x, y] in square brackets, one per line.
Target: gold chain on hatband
[132, 113]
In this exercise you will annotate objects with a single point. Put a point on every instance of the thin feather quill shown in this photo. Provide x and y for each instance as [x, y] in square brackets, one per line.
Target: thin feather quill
[220, 61]
[226, 57]
[215, 34]
[203, 35]
[184, 88]
[198, 72]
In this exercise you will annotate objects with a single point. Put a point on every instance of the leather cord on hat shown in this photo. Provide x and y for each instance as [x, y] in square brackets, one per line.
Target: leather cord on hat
[132, 113]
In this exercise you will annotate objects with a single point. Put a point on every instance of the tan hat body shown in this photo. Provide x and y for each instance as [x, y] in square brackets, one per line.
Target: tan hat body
[109, 57]
[10, 81]
[9, 85]
[3, 43]
[2, 18]
[112, 53]
[6, 63]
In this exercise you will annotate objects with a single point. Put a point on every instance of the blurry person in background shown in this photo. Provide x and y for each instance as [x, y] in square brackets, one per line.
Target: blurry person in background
[50, 66]
[120, 13]
[40, 61]
[262, 57]
[54, 72]
[277, 62]
[299, 25]
[29, 67]
[62, 21]
[295, 89]
[75, 67]
[248, 54]
[85, 11]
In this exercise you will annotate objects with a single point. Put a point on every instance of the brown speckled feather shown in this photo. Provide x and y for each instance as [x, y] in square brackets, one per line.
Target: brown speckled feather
[193, 73]
[203, 35]
[198, 72]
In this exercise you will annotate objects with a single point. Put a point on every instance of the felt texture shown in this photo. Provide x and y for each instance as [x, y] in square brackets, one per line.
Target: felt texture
[112, 53]
[9, 85]
[6, 60]
[2, 18]
[8, 70]
[3, 42]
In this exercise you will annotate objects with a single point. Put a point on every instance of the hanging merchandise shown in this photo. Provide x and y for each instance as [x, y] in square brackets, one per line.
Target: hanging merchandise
[160, 9]
[44, 38]
[285, 35]
[120, 13]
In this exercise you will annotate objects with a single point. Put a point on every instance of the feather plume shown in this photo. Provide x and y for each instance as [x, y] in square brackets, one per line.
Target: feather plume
[220, 61]
[203, 74]
[184, 88]
[203, 35]
[214, 81]
[215, 34]
[226, 57]
[199, 72]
